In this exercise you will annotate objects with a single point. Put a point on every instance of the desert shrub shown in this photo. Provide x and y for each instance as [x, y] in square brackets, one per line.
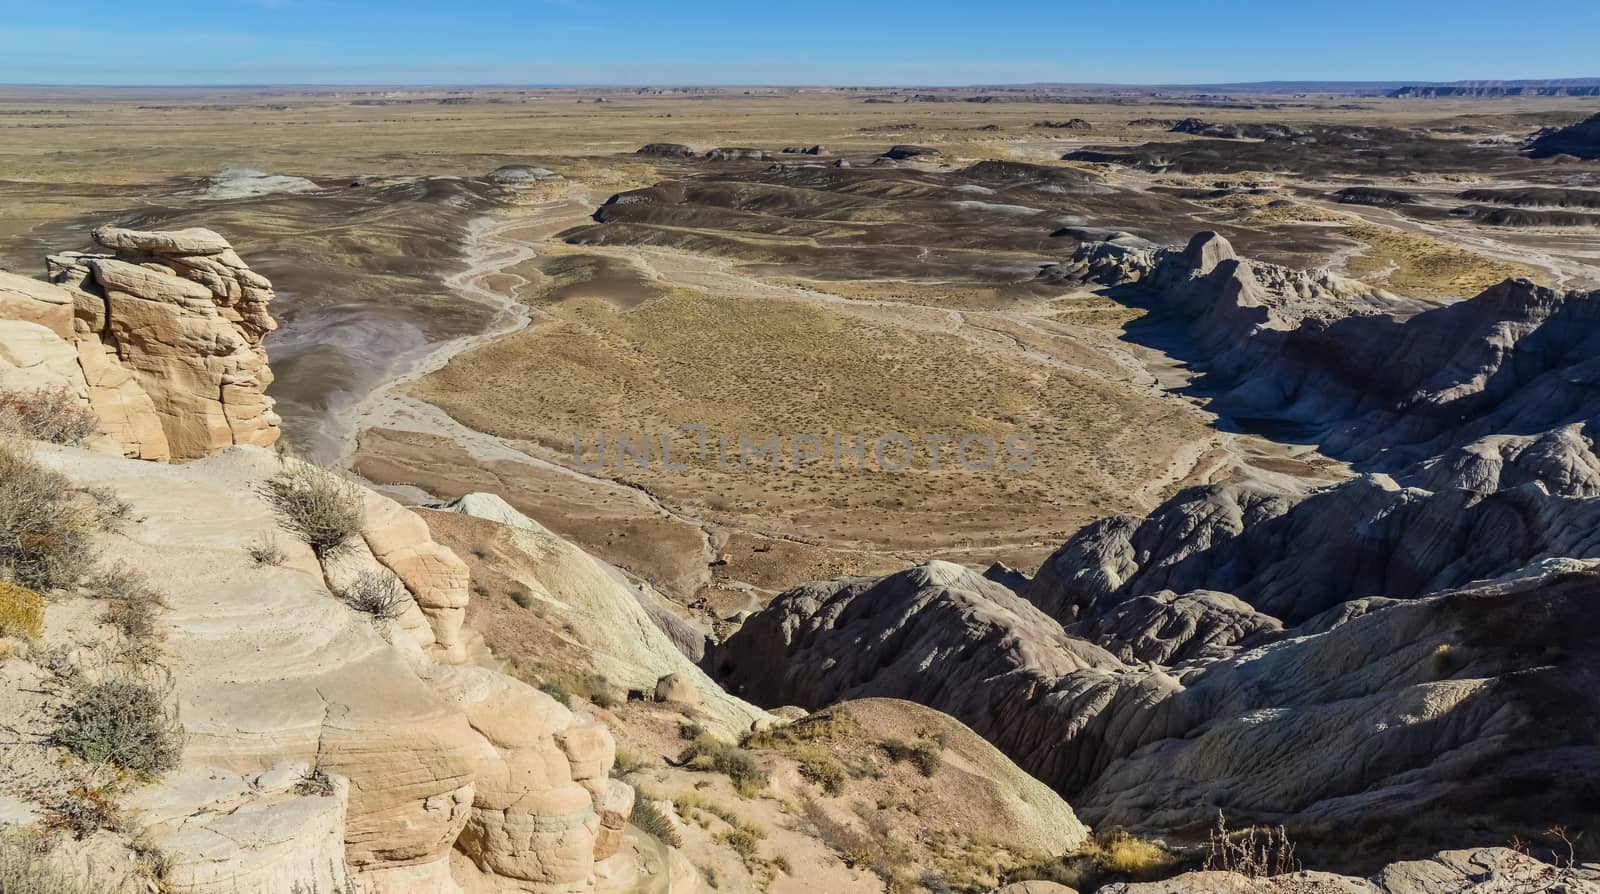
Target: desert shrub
[819, 766]
[598, 689]
[154, 863]
[317, 506]
[927, 755]
[55, 415]
[651, 820]
[556, 689]
[112, 511]
[833, 725]
[1444, 660]
[1116, 856]
[314, 784]
[627, 761]
[44, 525]
[780, 862]
[380, 594]
[1255, 852]
[705, 753]
[377, 593]
[743, 841]
[265, 551]
[83, 812]
[133, 601]
[522, 598]
[21, 612]
[25, 868]
[121, 722]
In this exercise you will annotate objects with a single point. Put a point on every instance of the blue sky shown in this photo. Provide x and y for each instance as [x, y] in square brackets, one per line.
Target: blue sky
[796, 42]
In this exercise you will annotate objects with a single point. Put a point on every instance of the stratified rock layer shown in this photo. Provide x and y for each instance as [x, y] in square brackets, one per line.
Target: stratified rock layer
[167, 331]
[276, 679]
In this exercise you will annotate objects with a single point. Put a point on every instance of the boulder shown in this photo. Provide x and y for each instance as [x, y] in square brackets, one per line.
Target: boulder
[676, 689]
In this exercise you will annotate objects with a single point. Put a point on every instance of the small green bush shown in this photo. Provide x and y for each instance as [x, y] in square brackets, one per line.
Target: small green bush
[317, 506]
[121, 722]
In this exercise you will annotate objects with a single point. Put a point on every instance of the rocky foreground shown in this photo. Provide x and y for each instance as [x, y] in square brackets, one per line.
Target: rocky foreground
[1389, 666]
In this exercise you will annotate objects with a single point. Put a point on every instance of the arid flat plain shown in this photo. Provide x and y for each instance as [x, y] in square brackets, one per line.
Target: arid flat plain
[445, 331]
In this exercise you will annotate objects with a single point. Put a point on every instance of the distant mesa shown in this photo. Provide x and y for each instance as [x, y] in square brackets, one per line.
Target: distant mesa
[666, 150]
[245, 183]
[738, 153]
[1069, 124]
[1565, 87]
[805, 150]
[878, 100]
[1161, 123]
[1581, 140]
[519, 175]
[903, 152]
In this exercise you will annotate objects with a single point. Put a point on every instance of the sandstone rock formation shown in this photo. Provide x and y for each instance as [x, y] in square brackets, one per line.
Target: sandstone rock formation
[276, 680]
[604, 615]
[167, 331]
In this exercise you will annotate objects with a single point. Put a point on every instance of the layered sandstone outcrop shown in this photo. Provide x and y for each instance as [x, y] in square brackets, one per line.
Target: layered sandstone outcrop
[278, 683]
[166, 331]
[606, 625]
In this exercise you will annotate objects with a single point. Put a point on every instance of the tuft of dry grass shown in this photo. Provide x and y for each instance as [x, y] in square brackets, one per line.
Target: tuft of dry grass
[266, 551]
[650, 819]
[21, 613]
[26, 868]
[1124, 854]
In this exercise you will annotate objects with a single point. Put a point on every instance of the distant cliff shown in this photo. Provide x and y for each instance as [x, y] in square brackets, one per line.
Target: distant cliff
[1562, 87]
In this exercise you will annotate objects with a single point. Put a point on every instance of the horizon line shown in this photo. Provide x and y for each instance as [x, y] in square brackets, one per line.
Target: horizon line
[1002, 85]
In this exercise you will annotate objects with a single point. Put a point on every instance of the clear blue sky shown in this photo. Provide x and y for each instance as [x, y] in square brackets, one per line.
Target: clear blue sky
[791, 41]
